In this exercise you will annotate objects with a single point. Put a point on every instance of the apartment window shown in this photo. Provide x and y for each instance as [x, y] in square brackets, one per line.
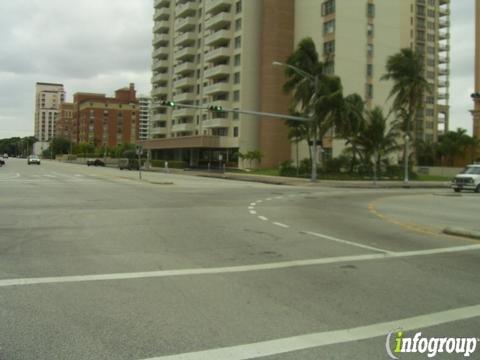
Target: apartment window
[236, 78]
[431, 13]
[238, 7]
[238, 42]
[329, 27]
[369, 91]
[369, 70]
[236, 95]
[329, 68]
[238, 24]
[235, 131]
[431, 37]
[236, 116]
[370, 49]
[430, 100]
[431, 62]
[370, 30]
[371, 10]
[328, 7]
[329, 47]
[429, 112]
[237, 60]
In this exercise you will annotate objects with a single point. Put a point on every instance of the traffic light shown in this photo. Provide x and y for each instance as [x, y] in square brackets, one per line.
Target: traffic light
[215, 108]
[168, 103]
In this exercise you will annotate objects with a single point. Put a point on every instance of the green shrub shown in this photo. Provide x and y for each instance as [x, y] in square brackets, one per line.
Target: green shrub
[172, 164]
[305, 167]
[287, 169]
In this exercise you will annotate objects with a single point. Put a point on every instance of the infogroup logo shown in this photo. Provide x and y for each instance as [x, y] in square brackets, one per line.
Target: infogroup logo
[431, 346]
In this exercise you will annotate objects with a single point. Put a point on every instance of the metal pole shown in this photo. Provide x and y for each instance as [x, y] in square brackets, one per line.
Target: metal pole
[406, 180]
[315, 136]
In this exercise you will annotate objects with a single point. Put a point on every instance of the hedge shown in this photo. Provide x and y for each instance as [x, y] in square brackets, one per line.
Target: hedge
[171, 164]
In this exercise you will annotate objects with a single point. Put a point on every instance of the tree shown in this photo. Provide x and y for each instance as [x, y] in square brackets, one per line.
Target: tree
[315, 95]
[377, 140]
[59, 146]
[407, 71]
[455, 144]
[353, 125]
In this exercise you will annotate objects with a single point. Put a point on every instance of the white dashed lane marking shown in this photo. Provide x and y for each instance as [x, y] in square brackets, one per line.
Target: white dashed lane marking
[263, 218]
[281, 225]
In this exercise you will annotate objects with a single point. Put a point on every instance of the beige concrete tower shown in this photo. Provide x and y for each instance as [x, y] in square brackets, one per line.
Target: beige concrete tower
[476, 94]
[48, 98]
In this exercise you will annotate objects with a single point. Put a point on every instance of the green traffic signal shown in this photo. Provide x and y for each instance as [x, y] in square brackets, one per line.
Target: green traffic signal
[168, 103]
[215, 108]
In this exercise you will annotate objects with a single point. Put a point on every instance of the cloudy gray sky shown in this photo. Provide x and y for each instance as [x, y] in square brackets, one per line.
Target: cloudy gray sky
[102, 45]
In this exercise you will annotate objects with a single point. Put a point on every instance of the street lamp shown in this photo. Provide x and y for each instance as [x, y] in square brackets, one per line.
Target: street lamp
[407, 139]
[314, 81]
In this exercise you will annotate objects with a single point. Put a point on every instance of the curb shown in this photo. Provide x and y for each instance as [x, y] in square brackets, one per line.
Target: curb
[462, 232]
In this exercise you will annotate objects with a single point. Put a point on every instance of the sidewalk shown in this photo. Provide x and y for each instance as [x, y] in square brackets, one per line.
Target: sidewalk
[280, 180]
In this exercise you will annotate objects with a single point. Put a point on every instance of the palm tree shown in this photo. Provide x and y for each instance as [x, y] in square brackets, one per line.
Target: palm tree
[455, 144]
[315, 95]
[377, 140]
[352, 125]
[406, 69]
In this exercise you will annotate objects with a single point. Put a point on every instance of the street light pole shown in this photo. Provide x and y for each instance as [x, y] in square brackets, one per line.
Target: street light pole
[407, 139]
[314, 80]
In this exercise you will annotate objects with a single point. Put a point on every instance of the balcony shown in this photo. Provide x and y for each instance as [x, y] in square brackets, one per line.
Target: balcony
[159, 131]
[218, 37]
[215, 6]
[162, 14]
[161, 52]
[188, 127]
[187, 9]
[217, 71]
[216, 123]
[443, 12]
[185, 68]
[221, 20]
[184, 97]
[187, 53]
[443, 48]
[185, 24]
[160, 39]
[163, 77]
[187, 82]
[220, 87]
[159, 65]
[161, 26]
[443, 72]
[443, 84]
[443, 24]
[183, 113]
[161, 3]
[160, 91]
[185, 39]
[443, 60]
[159, 117]
[218, 54]
[443, 35]
[443, 96]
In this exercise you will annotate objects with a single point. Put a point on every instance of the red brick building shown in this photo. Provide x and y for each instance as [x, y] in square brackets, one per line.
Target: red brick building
[101, 120]
[64, 126]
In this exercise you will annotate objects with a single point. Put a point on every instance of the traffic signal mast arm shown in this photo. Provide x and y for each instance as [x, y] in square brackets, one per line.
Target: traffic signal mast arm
[171, 104]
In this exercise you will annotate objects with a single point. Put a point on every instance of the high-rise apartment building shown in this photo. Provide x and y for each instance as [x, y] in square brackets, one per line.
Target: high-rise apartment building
[220, 52]
[144, 119]
[48, 98]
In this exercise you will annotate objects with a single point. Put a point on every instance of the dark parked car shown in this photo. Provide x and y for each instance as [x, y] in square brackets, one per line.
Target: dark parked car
[129, 164]
[95, 162]
[2, 162]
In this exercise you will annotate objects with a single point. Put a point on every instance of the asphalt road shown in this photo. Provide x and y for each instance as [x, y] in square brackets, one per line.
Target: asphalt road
[95, 264]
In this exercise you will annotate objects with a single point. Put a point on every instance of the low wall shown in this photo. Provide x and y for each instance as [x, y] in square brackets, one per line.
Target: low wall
[438, 170]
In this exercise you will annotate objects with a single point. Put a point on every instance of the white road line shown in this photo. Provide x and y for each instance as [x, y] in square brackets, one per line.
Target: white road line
[259, 201]
[251, 207]
[234, 269]
[281, 225]
[279, 197]
[269, 199]
[253, 204]
[78, 175]
[263, 218]
[49, 176]
[315, 340]
[253, 212]
[326, 237]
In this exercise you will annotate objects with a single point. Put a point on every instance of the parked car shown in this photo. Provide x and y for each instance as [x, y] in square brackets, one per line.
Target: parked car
[95, 162]
[2, 162]
[129, 164]
[33, 159]
[468, 179]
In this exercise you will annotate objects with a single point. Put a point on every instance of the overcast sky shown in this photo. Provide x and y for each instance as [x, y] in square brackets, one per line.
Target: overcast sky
[102, 45]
